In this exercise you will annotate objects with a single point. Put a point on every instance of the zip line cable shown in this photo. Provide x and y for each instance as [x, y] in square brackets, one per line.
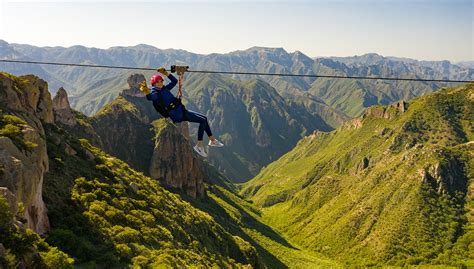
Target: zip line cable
[241, 73]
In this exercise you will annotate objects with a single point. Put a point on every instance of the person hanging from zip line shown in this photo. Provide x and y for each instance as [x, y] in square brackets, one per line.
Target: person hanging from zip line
[168, 105]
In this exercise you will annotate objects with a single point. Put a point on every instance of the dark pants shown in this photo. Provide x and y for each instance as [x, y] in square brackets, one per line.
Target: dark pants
[192, 116]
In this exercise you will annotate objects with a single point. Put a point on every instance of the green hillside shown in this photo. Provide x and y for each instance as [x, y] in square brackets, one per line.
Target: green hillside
[352, 97]
[117, 216]
[394, 187]
[245, 220]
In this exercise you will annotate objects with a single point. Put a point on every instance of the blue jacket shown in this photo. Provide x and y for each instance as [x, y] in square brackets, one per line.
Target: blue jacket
[167, 98]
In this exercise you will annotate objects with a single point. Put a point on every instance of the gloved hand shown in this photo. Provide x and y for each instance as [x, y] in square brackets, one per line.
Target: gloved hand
[163, 71]
[144, 88]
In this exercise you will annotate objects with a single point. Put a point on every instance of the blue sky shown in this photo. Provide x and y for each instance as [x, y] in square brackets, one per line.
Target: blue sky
[425, 30]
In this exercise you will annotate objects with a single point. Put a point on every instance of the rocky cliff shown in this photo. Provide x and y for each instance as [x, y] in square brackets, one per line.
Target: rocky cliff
[25, 105]
[173, 162]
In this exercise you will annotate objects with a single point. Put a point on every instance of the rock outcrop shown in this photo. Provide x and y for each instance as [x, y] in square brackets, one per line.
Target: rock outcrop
[173, 162]
[353, 124]
[27, 98]
[445, 177]
[386, 112]
[29, 94]
[62, 109]
[133, 83]
[125, 132]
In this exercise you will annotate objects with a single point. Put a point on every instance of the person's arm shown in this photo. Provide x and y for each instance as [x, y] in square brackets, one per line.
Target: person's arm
[152, 96]
[173, 82]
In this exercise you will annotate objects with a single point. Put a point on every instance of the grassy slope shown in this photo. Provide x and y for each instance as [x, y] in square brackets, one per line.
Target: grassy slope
[359, 193]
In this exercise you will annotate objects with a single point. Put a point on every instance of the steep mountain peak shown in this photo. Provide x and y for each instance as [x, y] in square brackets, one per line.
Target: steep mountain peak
[62, 109]
[278, 51]
[144, 47]
[60, 100]
[301, 57]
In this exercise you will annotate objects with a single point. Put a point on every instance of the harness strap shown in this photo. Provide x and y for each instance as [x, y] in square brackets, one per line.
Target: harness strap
[161, 100]
[180, 84]
[173, 104]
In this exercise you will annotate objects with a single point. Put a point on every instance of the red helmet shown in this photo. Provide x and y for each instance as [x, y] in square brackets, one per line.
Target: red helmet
[155, 78]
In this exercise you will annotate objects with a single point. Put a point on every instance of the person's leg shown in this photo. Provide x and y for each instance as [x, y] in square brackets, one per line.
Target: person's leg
[213, 141]
[192, 116]
[207, 129]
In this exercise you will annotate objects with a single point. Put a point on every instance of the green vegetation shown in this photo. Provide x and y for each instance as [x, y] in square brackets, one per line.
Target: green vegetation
[12, 127]
[117, 216]
[20, 82]
[121, 103]
[26, 246]
[382, 190]
[244, 219]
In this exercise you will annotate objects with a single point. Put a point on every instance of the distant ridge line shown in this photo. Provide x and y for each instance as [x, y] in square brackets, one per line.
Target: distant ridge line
[240, 73]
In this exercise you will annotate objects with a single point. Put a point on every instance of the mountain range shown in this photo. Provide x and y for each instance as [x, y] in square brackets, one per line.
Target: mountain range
[260, 118]
[92, 88]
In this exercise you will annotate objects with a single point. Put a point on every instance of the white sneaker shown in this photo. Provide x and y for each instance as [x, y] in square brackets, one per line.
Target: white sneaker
[200, 151]
[215, 143]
